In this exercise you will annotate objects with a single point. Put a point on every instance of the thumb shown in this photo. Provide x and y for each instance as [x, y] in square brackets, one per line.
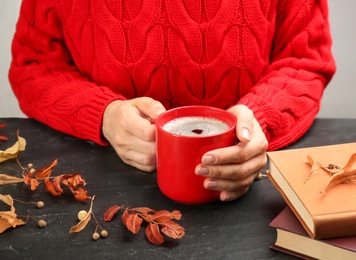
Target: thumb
[244, 124]
[149, 107]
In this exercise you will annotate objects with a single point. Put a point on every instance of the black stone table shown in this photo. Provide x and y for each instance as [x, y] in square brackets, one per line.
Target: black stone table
[233, 230]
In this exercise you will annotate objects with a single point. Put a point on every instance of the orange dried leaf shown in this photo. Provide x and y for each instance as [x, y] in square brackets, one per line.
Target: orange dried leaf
[50, 187]
[27, 178]
[172, 229]
[73, 180]
[133, 223]
[83, 223]
[111, 212]
[153, 234]
[9, 179]
[46, 171]
[80, 194]
[9, 219]
[57, 183]
[34, 184]
[165, 215]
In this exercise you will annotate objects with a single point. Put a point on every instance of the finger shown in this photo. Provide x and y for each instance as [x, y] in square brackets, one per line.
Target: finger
[233, 171]
[232, 195]
[136, 159]
[230, 189]
[245, 122]
[138, 126]
[149, 107]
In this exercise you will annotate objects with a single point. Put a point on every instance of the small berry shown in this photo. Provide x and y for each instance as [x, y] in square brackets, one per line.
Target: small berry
[103, 233]
[82, 214]
[41, 223]
[30, 165]
[32, 170]
[96, 236]
[40, 204]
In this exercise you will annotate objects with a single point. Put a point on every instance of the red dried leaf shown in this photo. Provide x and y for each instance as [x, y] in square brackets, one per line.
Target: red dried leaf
[46, 171]
[3, 138]
[143, 210]
[34, 184]
[73, 180]
[133, 223]
[125, 215]
[153, 234]
[172, 229]
[111, 212]
[80, 194]
[165, 215]
[50, 187]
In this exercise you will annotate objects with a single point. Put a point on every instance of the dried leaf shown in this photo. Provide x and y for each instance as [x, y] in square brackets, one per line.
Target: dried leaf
[80, 194]
[153, 234]
[125, 215]
[34, 184]
[165, 215]
[7, 199]
[73, 180]
[143, 210]
[83, 223]
[13, 151]
[51, 188]
[111, 212]
[9, 179]
[46, 171]
[172, 229]
[9, 218]
[133, 223]
[3, 138]
[341, 177]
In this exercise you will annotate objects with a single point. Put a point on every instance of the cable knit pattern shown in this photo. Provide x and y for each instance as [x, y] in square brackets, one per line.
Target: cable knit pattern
[73, 57]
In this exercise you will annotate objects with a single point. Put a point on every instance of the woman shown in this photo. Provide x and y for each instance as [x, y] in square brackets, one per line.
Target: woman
[102, 70]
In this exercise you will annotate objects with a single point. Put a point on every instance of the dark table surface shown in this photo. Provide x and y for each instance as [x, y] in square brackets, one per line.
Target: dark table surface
[233, 230]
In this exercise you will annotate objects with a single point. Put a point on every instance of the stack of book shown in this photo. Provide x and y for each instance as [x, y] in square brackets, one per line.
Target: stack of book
[319, 187]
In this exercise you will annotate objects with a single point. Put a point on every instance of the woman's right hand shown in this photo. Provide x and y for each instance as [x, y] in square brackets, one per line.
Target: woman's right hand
[128, 126]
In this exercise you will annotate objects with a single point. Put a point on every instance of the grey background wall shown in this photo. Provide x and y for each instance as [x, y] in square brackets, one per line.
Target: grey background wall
[339, 99]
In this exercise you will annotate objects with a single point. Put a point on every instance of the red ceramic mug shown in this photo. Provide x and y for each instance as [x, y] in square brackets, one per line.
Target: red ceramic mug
[178, 153]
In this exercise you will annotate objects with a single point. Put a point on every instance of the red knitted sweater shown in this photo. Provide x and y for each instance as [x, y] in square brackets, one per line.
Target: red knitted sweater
[71, 58]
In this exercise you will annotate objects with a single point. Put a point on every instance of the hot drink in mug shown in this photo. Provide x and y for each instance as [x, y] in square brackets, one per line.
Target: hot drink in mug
[184, 135]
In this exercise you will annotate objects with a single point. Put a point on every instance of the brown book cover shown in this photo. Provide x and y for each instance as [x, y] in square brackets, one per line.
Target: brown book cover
[293, 239]
[323, 214]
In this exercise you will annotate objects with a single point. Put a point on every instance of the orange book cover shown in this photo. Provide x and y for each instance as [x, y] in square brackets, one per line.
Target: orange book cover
[323, 213]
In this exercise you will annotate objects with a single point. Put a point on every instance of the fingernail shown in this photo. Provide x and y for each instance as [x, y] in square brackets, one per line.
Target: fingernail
[208, 159]
[225, 197]
[202, 171]
[211, 185]
[245, 133]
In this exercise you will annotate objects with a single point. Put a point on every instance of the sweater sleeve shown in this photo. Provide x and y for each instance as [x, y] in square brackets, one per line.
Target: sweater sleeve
[45, 80]
[287, 98]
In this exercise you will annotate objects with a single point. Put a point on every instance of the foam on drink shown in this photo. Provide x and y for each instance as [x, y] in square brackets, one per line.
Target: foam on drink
[195, 126]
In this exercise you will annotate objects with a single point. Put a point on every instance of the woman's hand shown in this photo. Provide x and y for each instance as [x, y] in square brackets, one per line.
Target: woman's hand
[127, 126]
[232, 170]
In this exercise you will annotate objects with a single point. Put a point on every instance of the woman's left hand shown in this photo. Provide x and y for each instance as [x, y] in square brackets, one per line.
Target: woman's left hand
[232, 170]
